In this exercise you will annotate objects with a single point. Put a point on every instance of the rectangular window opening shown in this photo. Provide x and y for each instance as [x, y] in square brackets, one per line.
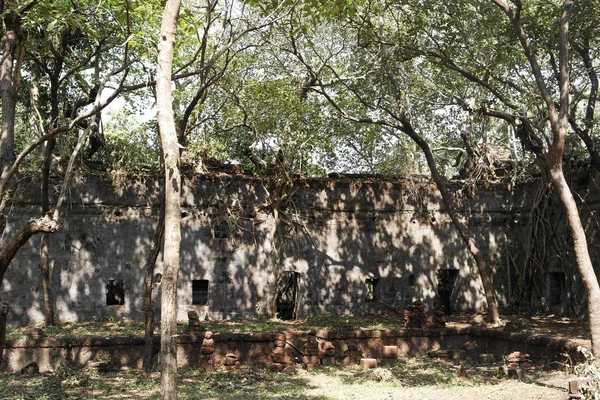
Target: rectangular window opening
[557, 283]
[115, 292]
[200, 292]
[372, 292]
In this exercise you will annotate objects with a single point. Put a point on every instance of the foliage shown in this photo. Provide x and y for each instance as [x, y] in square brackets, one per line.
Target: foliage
[130, 145]
[589, 369]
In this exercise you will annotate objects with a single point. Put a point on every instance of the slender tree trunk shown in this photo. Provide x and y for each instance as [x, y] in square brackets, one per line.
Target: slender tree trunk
[276, 244]
[45, 244]
[582, 256]
[8, 94]
[482, 265]
[148, 289]
[3, 317]
[172, 241]
[559, 122]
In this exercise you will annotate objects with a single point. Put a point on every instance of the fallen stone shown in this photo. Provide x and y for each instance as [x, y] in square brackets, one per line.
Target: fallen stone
[328, 346]
[289, 370]
[322, 334]
[310, 360]
[575, 386]
[389, 352]
[312, 367]
[516, 373]
[443, 354]
[459, 355]
[329, 353]
[486, 358]
[462, 372]
[279, 358]
[517, 357]
[328, 361]
[470, 345]
[194, 323]
[230, 360]
[368, 362]
[277, 367]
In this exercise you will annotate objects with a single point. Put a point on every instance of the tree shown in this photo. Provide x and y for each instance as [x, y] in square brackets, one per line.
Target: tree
[172, 234]
[558, 114]
[371, 83]
[523, 70]
[58, 62]
[21, 19]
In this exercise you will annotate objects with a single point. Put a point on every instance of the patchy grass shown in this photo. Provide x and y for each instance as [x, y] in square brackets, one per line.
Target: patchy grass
[415, 378]
[257, 325]
[118, 327]
[82, 330]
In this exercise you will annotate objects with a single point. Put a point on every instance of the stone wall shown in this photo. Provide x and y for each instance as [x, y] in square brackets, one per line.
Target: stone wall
[350, 245]
[350, 345]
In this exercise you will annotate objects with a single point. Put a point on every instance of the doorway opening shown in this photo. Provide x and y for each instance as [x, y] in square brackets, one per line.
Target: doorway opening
[287, 295]
[446, 282]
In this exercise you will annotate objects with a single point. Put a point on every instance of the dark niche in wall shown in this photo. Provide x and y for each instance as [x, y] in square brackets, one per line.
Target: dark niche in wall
[287, 295]
[115, 292]
[372, 292]
[556, 288]
[385, 290]
[200, 292]
[447, 278]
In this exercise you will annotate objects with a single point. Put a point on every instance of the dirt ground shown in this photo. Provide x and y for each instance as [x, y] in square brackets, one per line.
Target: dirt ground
[547, 325]
[549, 386]
[551, 324]
[420, 379]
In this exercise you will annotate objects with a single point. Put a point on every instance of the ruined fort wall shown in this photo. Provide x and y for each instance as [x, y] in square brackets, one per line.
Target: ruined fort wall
[347, 241]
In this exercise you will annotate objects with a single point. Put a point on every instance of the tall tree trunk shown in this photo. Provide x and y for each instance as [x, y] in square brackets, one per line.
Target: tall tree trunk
[559, 122]
[45, 244]
[3, 317]
[482, 265]
[582, 256]
[8, 93]
[172, 241]
[149, 288]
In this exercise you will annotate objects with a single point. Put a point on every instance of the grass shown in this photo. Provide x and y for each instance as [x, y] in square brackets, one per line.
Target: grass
[415, 378]
[117, 327]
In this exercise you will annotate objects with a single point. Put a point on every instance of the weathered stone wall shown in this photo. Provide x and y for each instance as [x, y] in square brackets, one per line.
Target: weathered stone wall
[346, 232]
[255, 349]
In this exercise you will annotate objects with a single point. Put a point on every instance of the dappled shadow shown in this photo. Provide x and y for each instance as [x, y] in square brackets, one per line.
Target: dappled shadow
[341, 233]
[193, 384]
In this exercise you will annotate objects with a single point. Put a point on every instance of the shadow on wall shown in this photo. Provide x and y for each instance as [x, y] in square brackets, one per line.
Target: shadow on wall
[350, 247]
